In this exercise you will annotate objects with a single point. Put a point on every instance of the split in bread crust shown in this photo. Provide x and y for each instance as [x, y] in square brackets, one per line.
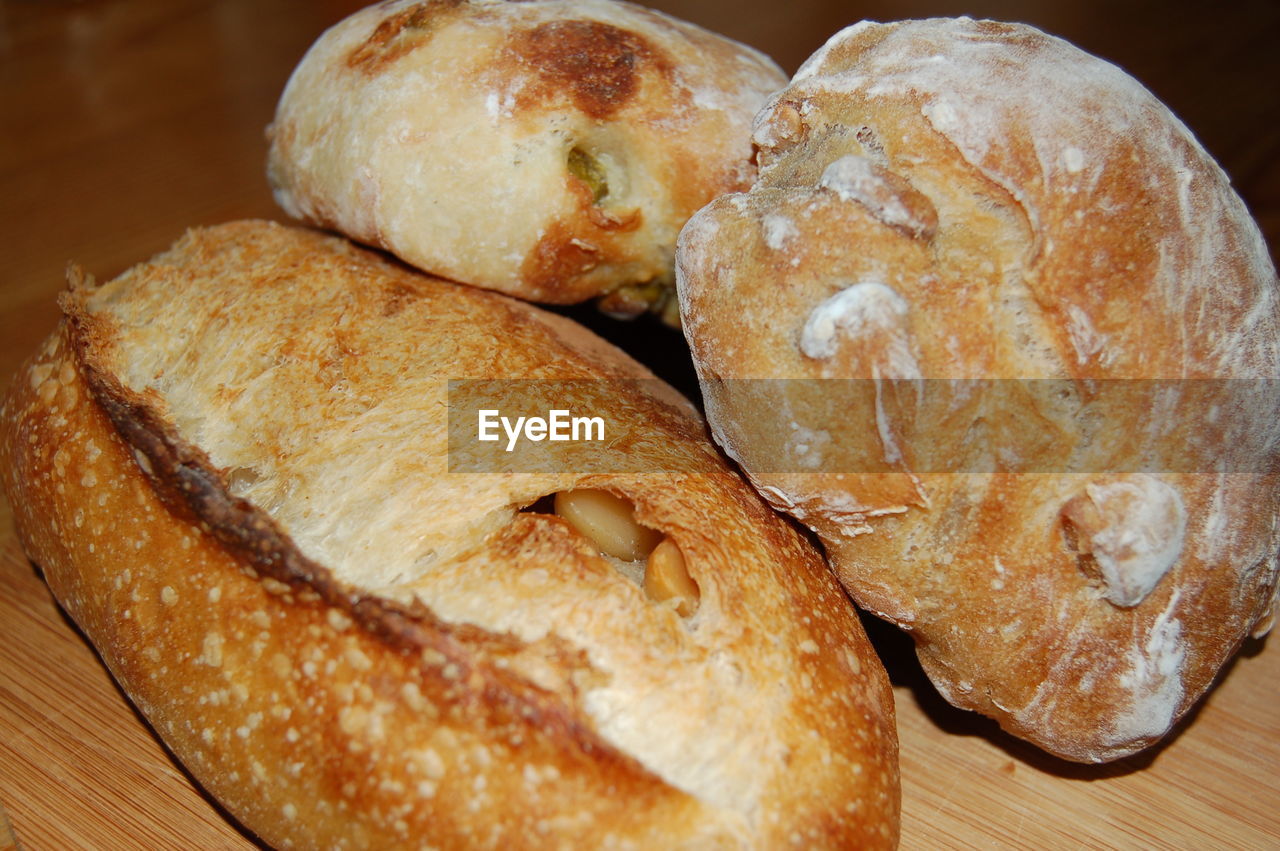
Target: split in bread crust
[231, 465]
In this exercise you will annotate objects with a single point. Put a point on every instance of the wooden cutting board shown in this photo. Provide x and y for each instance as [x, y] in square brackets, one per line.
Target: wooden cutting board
[80, 769]
[125, 122]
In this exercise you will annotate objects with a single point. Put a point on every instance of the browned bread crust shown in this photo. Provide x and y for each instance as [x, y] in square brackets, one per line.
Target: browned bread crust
[550, 149]
[229, 464]
[957, 199]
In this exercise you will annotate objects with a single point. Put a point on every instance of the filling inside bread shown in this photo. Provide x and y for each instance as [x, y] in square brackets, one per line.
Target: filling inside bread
[644, 555]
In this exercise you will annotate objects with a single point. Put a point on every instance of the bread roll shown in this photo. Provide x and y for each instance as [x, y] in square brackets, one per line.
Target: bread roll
[231, 465]
[1080, 534]
[550, 149]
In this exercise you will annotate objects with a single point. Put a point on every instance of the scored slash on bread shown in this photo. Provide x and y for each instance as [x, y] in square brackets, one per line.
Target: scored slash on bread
[230, 463]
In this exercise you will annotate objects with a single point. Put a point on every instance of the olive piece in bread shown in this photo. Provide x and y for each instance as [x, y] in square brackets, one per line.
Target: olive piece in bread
[232, 465]
[1028, 343]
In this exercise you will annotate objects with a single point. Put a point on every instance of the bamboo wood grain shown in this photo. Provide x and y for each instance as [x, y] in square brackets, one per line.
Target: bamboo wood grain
[122, 123]
[80, 769]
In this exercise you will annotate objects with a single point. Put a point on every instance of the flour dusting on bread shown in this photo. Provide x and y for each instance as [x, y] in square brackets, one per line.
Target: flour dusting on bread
[980, 201]
[868, 312]
[1133, 529]
[550, 149]
[1154, 678]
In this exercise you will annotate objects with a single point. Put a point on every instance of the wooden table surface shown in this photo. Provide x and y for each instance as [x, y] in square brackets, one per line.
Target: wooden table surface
[123, 123]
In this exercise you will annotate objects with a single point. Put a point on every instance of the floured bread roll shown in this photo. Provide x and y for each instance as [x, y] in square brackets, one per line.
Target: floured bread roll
[550, 149]
[948, 199]
[231, 464]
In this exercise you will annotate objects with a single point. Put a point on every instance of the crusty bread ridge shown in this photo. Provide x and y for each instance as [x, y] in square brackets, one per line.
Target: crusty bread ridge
[957, 199]
[548, 149]
[230, 464]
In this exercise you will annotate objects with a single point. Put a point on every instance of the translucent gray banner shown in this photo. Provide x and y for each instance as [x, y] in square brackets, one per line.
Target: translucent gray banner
[859, 426]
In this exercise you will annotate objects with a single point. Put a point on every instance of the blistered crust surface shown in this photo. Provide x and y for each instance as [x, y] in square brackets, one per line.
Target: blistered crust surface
[463, 673]
[547, 149]
[957, 199]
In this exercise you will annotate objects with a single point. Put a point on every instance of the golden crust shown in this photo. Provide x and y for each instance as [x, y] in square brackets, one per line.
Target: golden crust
[514, 691]
[550, 150]
[953, 199]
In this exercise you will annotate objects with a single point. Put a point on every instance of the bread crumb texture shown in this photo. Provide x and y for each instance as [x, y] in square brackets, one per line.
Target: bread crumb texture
[230, 462]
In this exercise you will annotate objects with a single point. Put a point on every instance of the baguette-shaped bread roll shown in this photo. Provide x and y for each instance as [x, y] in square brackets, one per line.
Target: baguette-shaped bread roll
[550, 149]
[952, 199]
[231, 464]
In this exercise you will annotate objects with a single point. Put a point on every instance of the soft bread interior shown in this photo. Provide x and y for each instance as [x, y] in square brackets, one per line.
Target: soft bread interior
[324, 404]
